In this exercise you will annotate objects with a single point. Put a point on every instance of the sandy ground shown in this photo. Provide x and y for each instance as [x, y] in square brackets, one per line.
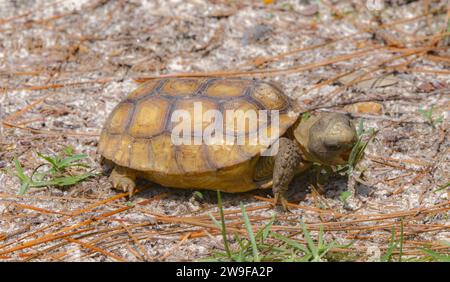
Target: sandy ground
[65, 64]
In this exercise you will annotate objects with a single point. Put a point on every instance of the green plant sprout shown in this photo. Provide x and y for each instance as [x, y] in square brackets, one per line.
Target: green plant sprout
[344, 196]
[306, 116]
[428, 116]
[198, 195]
[442, 188]
[59, 172]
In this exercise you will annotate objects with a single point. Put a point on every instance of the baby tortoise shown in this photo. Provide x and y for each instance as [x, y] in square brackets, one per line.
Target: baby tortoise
[136, 138]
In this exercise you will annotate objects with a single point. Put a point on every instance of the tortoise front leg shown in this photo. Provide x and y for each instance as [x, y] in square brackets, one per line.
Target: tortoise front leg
[285, 168]
[123, 179]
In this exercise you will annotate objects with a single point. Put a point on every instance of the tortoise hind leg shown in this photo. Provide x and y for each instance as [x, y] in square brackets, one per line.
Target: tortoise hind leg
[286, 163]
[123, 179]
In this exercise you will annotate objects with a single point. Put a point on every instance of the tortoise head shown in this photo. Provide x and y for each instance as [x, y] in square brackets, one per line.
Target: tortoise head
[327, 138]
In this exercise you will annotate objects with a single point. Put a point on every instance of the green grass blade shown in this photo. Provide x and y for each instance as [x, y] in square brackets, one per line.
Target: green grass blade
[306, 258]
[309, 241]
[327, 249]
[263, 232]
[386, 257]
[242, 249]
[290, 242]
[250, 233]
[320, 240]
[68, 161]
[354, 152]
[64, 180]
[445, 243]
[222, 219]
[20, 172]
[25, 181]
[364, 145]
[216, 223]
[52, 161]
[360, 130]
[23, 188]
[447, 185]
[435, 255]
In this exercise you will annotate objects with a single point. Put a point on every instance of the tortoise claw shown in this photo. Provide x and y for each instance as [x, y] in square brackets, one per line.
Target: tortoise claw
[126, 185]
[131, 189]
[281, 203]
[123, 182]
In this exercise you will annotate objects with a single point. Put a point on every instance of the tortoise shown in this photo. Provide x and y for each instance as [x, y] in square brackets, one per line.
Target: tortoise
[137, 138]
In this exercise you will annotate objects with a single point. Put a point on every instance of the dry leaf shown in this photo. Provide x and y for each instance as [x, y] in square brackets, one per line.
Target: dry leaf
[372, 108]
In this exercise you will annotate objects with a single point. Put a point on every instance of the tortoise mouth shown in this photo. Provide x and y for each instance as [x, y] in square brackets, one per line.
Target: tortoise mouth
[346, 155]
[343, 158]
[331, 157]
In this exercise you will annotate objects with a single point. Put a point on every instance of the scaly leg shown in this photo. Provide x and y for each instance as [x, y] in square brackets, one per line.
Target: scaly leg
[285, 168]
[123, 179]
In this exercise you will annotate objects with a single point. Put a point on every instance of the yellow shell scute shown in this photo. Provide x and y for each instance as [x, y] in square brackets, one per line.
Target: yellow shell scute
[251, 145]
[191, 158]
[164, 159]
[149, 117]
[269, 96]
[227, 88]
[143, 90]
[239, 116]
[195, 108]
[141, 155]
[102, 142]
[108, 145]
[181, 87]
[224, 155]
[119, 118]
[122, 153]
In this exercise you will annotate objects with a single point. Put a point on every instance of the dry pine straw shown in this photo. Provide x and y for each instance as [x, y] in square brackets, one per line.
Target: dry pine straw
[90, 226]
[350, 222]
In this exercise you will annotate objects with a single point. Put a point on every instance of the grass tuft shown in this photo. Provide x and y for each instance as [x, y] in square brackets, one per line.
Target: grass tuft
[64, 169]
[266, 245]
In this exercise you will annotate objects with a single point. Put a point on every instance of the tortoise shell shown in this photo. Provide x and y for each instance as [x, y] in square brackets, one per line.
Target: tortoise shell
[137, 133]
